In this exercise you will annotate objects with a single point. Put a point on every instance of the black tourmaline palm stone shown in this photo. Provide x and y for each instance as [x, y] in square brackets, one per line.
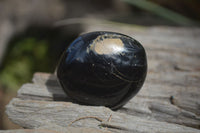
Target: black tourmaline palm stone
[103, 69]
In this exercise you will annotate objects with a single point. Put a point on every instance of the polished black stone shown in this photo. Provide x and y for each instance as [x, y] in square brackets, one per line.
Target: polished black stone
[103, 69]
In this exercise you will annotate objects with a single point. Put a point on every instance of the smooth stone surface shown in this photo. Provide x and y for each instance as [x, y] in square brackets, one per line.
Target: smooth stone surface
[103, 69]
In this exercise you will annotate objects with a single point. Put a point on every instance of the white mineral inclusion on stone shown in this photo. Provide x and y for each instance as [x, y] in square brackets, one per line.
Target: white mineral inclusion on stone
[104, 45]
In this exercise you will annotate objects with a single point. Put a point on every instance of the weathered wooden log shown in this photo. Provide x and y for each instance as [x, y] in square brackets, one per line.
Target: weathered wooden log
[168, 102]
[57, 129]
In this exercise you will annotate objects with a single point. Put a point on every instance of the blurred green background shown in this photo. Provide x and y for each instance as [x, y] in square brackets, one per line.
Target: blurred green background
[33, 45]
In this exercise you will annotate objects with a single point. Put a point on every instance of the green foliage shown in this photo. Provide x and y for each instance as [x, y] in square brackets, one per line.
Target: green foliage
[22, 60]
[161, 11]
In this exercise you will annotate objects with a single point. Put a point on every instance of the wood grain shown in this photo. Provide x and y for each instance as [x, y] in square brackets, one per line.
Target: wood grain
[169, 101]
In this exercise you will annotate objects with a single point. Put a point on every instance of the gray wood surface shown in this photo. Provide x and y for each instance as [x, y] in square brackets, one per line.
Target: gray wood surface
[58, 130]
[169, 101]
